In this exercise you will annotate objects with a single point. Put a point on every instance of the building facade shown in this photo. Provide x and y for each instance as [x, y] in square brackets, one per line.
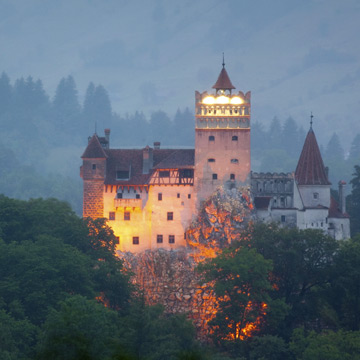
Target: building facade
[151, 195]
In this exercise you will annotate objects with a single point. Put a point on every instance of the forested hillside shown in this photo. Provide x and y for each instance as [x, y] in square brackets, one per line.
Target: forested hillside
[43, 138]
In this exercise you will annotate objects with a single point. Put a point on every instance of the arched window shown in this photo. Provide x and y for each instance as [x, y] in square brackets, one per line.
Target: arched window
[234, 138]
[234, 161]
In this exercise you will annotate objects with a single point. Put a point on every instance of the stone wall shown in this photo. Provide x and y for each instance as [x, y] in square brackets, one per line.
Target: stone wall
[169, 278]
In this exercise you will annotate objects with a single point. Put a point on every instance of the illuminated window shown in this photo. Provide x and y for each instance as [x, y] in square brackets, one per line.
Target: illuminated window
[211, 160]
[159, 239]
[94, 166]
[171, 239]
[159, 196]
[164, 173]
[136, 240]
[211, 138]
[234, 138]
[126, 215]
[170, 216]
[234, 161]
[189, 196]
[232, 176]
[214, 176]
[112, 215]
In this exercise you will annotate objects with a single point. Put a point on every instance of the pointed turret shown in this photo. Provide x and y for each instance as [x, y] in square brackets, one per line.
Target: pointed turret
[310, 169]
[94, 149]
[223, 82]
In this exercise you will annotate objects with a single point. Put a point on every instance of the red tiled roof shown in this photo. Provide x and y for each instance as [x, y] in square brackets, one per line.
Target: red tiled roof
[334, 210]
[94, 149]
[132, 160]
[223, 81]
[179, 159]
[310, 169]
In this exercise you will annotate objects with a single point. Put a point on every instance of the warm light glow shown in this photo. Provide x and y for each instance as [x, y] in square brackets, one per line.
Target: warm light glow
[236, 100]
[209, 100]
[222, 100]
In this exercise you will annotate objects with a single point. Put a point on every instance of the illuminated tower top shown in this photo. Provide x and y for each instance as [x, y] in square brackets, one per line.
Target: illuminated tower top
[222, 110]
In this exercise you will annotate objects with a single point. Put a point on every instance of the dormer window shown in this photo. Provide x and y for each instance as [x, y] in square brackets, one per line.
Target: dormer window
[122, 175]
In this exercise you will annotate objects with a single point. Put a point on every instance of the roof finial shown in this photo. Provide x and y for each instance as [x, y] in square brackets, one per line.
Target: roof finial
[311, 120]
[223, 64]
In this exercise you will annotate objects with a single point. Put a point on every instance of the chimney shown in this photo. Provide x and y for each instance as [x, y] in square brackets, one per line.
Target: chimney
[107, 137]
[157, 145]
[147, 159]
[327, 172]
[342, 200]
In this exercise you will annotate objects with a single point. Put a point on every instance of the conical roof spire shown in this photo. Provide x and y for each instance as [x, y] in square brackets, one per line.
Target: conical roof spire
[94, 149]
[223, 82]
[310, 169]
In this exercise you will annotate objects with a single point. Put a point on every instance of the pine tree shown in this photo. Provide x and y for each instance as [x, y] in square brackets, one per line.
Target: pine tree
[5, 93]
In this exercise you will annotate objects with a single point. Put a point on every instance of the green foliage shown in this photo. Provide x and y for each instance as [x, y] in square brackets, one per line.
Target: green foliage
[240, 277]
[151, 334]
[80, 329]
[302, 260]
[344, 294]
[331, 345]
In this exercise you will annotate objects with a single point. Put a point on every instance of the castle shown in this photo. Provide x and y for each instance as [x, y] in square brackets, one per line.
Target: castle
[150, 195]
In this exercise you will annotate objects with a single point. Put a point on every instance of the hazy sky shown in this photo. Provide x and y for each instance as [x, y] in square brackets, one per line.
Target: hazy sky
[294, 56]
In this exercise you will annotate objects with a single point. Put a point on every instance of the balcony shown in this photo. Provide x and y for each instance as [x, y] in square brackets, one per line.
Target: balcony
[131, 203]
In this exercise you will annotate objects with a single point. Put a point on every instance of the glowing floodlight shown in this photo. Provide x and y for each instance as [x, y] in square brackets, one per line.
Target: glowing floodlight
[222, 99]
[209, 100]
[236, 100]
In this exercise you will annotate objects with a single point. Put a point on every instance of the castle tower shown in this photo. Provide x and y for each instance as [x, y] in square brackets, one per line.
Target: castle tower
[222, 137]
[93, 173]
[311, 176]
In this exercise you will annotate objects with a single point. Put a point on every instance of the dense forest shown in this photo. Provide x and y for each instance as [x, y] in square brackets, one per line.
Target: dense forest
[65, 295]
[42, 138]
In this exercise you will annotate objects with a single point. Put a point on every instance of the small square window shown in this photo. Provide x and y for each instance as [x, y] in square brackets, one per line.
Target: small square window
[234, 138]
[94, 166]
[159, 239]
[126, 215]
[211, 138]
[316, 195]
[164, 173]
[232, 176]
[171, 239]
[214, 176]
[138, 196]
[170, 216]
[178, 195]
[136, 240]
[119, 195]
[159, 196]
[189, 196]
[112, 215]
[117, 239]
